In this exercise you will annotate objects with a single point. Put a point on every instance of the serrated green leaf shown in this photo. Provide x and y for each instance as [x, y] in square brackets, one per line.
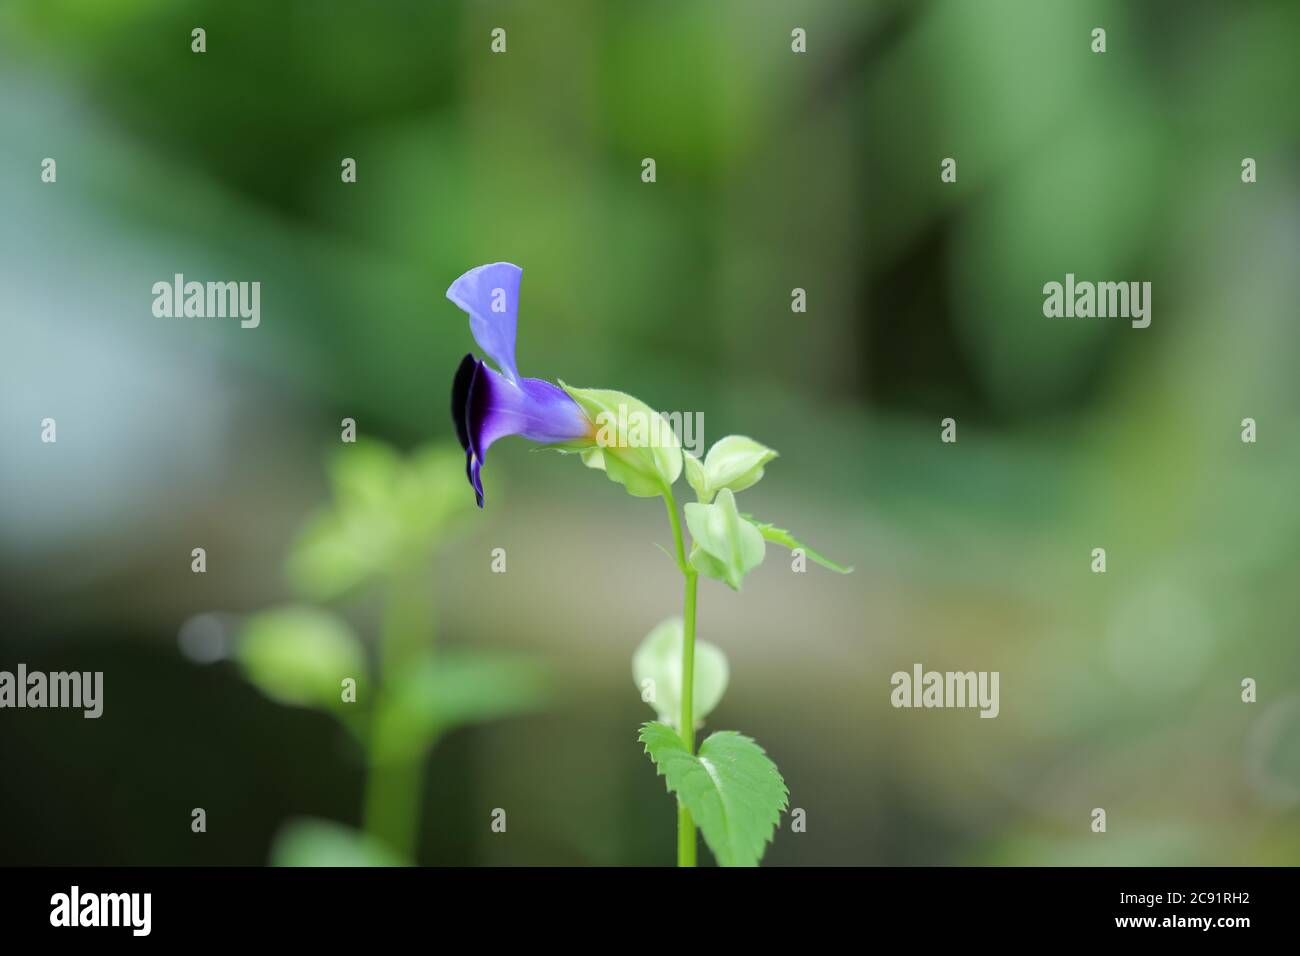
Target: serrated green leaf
[300, 656]
[312, 842]
[659, 659]
[441, 691]
[726, 547]
[638, 447]
[783, 537]
[732, 789]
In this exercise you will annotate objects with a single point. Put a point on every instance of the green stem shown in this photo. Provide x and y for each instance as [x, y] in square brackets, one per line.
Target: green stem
[688, 664]
[392, 800]
[671, 504]
[685, 825]
[392, 811]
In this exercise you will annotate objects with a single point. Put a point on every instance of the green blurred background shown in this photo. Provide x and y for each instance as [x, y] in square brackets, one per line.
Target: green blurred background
[775, 170]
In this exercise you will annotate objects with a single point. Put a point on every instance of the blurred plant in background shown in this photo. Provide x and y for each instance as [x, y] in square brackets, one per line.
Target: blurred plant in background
[776, 170]
[400, 696]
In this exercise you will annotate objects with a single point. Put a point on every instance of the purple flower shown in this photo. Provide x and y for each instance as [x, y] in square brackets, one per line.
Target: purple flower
[487, 404]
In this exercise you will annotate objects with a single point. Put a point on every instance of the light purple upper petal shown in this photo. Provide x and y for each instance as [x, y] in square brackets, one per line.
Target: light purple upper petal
[490, 294]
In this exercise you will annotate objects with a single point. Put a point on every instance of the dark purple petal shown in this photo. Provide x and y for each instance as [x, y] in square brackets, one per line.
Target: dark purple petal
[460, 397]
[472, 466]
[490, 294]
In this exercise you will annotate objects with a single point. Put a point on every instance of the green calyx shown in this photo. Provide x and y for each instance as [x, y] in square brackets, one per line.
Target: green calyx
[634, 445]
[735, 462]
[727, 547]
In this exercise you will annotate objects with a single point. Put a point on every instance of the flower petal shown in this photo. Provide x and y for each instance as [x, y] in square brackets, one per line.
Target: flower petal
[460, 397]
[490, 294]
[472, 466]
[495, 407]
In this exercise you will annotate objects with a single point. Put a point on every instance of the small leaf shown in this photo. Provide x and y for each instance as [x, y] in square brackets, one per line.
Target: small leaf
[442, 691]
[638, 447]
[312, 842]
[696, 477]
[659, 659]
[726, 546]
[781, 536]
[707, 564]
[386, 512]
[333, 555]
[734, 462]
[300, 656]
[732, 789]
[430, 495]
[362, 475]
